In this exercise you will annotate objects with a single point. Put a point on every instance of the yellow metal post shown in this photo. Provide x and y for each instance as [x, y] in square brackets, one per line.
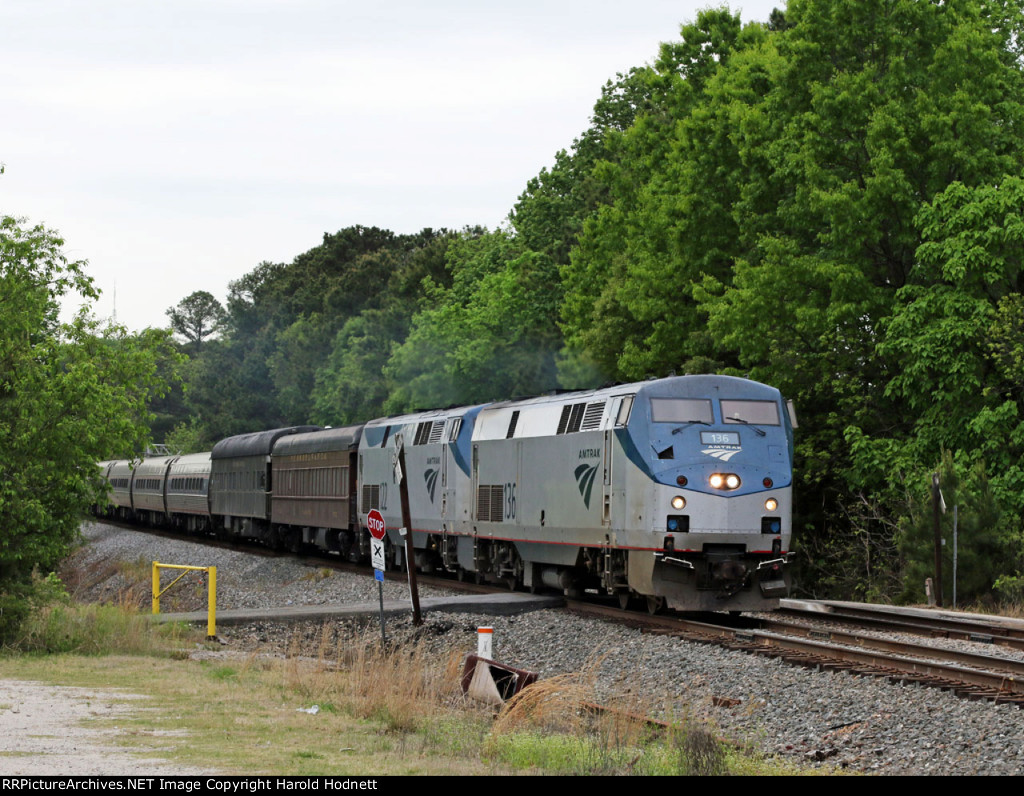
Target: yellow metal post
[156, 588]
[211, 622]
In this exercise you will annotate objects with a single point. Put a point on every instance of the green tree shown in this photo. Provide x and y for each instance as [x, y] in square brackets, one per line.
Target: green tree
[491, 335]
[71, 395]
[351, 386]
[196, 317]
[981, 542]
[187, 438]
[229, 389]
[299, 352]
[673, 176]
[853, 296]
[276, 362]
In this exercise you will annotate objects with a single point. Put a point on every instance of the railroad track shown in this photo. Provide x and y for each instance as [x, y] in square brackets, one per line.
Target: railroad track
[998, 631]
[968, 674]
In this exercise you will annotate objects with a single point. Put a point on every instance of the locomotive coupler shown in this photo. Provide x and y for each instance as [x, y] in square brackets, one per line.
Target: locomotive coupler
[733, 574]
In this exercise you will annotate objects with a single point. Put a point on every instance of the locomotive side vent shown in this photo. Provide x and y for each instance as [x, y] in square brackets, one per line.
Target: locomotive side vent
[592, 416]
[489, 500]
[563, 421]
[422, 433]
[580, 417]
[436, 432]
[371, 497]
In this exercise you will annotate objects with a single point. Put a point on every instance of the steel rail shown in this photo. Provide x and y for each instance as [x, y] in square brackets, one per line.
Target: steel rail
[889, 618]
[975, 660]
[999, 686]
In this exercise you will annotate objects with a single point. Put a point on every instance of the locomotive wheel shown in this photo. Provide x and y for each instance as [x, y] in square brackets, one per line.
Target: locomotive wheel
[654, 604]
[625, 598]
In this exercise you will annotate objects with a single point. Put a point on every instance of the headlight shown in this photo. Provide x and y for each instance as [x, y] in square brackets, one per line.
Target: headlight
[679, 503]
[724, 481]
[771, 504]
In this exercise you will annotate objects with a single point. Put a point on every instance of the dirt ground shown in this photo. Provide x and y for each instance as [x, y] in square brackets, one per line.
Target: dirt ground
[44, 731]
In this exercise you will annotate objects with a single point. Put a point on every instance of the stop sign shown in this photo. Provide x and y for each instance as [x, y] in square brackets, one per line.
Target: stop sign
[375, 524]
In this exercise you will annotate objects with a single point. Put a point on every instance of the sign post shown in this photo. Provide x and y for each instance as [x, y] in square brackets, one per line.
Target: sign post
[406, 532]
[375, 525]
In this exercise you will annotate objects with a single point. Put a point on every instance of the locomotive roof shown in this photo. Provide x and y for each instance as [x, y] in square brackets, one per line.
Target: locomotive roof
[259, 443]
[700, 383]
[426, 414]
[329, 439]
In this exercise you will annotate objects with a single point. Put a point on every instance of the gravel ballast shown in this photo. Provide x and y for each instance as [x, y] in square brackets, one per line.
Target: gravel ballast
[816, 718]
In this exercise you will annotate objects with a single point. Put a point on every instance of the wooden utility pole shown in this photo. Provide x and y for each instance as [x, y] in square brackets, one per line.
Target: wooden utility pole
[410, 553]
[936, 512]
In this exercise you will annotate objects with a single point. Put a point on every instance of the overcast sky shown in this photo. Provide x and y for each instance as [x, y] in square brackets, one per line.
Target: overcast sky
[176, 144]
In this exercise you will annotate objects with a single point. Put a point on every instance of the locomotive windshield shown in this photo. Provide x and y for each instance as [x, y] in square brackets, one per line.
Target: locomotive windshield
[760, 413]
[681, 410]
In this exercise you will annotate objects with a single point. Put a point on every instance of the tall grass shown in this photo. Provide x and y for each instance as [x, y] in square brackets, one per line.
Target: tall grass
[400, 686]
[557, 727]
[55, 624]
[97, 630]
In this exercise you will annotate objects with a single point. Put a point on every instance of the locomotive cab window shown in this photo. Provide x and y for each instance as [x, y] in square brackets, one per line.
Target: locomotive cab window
[681, 410]
[756, 413]
[625, 405]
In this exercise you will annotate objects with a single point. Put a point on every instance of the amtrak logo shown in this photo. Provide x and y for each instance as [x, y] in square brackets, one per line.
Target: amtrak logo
[585, 479]
[430, 476]
[722, 454]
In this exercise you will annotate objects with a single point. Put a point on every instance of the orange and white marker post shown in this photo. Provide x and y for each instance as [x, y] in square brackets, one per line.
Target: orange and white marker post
[484, 638]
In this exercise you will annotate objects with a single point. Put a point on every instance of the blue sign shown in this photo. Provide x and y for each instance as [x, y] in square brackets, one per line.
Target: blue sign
[378, 575]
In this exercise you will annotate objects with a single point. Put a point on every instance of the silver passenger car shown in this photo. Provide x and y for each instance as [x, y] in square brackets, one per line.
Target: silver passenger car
[149, 489]
[188, 491]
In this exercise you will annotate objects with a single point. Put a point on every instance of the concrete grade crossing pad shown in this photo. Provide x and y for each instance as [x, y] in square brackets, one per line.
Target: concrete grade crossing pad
[491, 604]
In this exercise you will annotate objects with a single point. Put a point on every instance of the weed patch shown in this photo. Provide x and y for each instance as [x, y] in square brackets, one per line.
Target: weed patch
[555, 726]
[58, 625]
